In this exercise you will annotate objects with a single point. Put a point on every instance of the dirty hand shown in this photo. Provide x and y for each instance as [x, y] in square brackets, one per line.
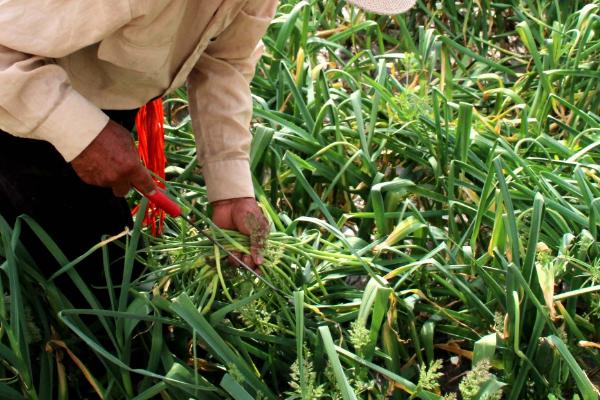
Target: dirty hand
[245, 216]
[112, 161]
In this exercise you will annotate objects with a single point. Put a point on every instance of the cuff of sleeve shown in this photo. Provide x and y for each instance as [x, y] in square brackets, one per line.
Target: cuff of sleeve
[228, 179]
[72, 126]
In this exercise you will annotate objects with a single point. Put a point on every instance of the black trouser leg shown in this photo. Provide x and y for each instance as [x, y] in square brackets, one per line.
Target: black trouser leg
[35, 180]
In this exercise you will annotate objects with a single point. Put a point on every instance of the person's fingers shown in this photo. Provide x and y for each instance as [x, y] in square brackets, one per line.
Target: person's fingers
[257, 251]
[121, 189]
[222, 216]
[140, 179]
[258, 238]
[247, 259]
[242, 220]
[237, 258]
[234, 257]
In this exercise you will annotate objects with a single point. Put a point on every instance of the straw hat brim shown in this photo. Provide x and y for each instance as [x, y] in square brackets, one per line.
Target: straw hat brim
[384, 7]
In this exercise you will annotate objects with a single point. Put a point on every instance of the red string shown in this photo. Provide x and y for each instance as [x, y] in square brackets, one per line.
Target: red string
[150, 127]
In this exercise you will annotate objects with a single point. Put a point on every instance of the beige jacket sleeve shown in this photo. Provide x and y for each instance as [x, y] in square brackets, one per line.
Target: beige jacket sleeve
[36, 97]
[221, 102]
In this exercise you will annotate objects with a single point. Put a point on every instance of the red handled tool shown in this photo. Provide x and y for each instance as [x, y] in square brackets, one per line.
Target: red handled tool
[161, 200]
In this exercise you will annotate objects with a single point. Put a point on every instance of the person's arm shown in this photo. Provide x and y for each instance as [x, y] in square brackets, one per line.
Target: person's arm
[37, 100]
[221, 110]
[221, 103]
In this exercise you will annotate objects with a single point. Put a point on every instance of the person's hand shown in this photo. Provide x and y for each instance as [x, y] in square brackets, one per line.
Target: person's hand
[245, 216]
[112, 161]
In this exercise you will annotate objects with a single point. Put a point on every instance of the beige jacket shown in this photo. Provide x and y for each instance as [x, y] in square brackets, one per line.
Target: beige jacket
[62, 61]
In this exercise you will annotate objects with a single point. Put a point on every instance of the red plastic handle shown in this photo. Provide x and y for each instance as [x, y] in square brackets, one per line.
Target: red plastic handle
[162, 201]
